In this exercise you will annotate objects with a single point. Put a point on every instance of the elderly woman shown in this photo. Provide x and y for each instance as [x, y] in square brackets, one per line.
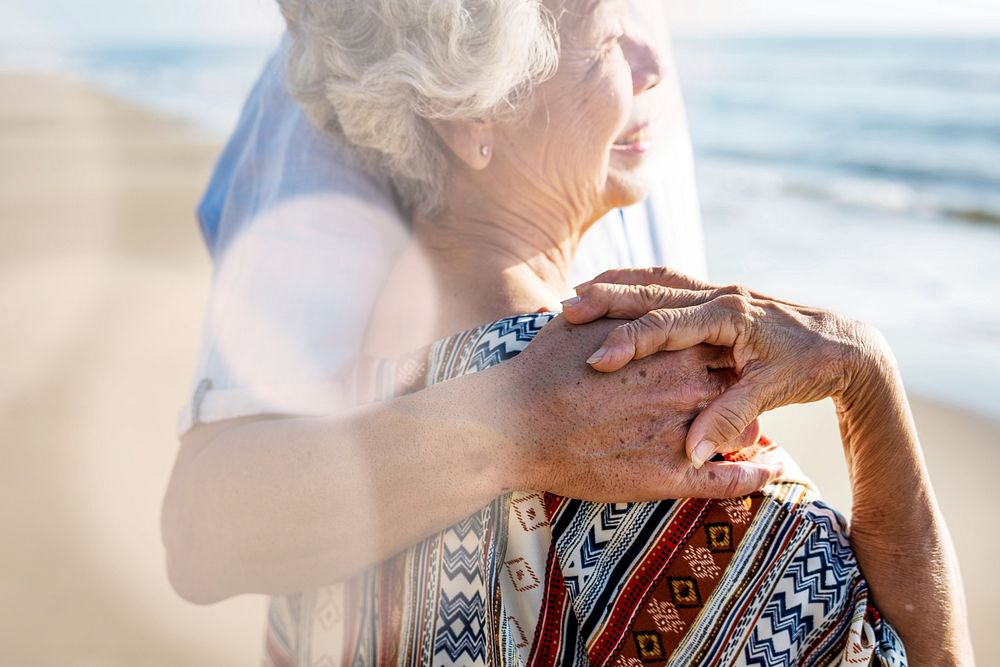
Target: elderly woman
[508, 127]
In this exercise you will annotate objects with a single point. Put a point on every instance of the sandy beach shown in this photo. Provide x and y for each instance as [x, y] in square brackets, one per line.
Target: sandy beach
[103, 282]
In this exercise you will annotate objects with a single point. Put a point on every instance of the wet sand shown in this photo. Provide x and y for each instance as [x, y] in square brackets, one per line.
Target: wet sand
[103, 281]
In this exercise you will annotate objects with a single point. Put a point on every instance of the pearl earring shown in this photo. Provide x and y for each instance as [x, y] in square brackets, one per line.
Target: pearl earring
[484, 150]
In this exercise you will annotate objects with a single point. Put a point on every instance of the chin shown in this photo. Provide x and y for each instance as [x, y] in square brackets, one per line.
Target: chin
[625, 188]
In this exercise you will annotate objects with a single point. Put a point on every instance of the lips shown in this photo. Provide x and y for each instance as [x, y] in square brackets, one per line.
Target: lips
[635, 140]
[634, 137]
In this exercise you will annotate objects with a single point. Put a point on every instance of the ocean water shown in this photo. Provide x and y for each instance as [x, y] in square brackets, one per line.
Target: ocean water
[862, 175]
[859, 174]
[909, 126]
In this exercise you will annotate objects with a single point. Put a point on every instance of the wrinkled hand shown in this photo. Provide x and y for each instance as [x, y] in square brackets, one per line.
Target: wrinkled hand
[620, 437]
[783, 353]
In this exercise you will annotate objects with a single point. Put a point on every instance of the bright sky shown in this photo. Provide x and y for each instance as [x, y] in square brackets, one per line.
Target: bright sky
[834, 16]
[62, 21]
[73, 21]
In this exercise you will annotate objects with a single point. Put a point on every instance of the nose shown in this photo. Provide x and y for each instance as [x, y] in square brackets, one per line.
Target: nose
[642, 57]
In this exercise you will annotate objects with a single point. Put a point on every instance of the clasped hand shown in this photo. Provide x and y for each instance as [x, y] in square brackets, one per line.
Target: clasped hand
[783, 353]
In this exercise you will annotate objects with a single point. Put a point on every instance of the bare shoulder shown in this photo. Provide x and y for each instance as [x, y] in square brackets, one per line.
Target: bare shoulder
[405, 313]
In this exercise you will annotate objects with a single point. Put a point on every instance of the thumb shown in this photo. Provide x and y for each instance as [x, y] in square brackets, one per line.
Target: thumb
[723, 420]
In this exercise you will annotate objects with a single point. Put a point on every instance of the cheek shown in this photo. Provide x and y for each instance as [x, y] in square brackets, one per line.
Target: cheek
[579, 115]
[623, 92]
[611, 102]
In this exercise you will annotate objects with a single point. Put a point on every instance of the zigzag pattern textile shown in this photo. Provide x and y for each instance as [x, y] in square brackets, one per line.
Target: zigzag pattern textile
[537, 580]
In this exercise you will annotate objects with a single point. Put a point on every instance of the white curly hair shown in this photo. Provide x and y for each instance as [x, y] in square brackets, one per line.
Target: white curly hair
[376, 72]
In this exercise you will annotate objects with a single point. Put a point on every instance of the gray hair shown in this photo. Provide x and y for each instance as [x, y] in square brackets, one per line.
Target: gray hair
[376, 72]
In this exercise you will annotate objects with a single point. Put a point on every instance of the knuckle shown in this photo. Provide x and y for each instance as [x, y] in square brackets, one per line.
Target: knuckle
[736, 303]
[620, 335]
[662, 272]
[661, 322]
[611, 293]
[736, 290]
[604, 276]
[660, 319]
[647, 296]
[647, 333]
[593, 292]
[642, 328]
[828, 321]
[730, 420]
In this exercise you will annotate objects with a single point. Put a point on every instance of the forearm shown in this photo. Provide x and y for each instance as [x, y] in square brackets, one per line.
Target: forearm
[897, 530]
[280, 505]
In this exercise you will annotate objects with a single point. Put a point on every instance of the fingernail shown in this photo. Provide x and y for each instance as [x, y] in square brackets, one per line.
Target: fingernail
[597, 356]
[572, 301]
[703, 451]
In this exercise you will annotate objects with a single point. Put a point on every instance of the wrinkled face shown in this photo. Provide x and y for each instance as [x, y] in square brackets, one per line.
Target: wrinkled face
[586, 139]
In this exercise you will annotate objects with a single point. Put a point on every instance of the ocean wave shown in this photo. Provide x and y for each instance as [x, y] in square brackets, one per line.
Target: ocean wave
[966, 175]
[974, 215]
[947, 79]
[975, 125]
[886, 196]
[891, 197]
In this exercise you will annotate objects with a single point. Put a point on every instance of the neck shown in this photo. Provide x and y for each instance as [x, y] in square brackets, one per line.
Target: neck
[481, 258]
[509, 254]
[487, 252]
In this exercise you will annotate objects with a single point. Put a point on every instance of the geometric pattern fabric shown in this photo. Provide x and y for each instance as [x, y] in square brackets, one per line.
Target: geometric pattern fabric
[534, 579]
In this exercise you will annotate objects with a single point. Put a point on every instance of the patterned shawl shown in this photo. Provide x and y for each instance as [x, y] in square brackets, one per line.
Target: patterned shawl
[535, 579]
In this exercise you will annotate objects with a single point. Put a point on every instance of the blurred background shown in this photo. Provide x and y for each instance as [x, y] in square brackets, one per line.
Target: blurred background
[848, 156]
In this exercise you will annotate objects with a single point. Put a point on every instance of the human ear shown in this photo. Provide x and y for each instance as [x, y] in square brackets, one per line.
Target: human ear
[471, 141]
